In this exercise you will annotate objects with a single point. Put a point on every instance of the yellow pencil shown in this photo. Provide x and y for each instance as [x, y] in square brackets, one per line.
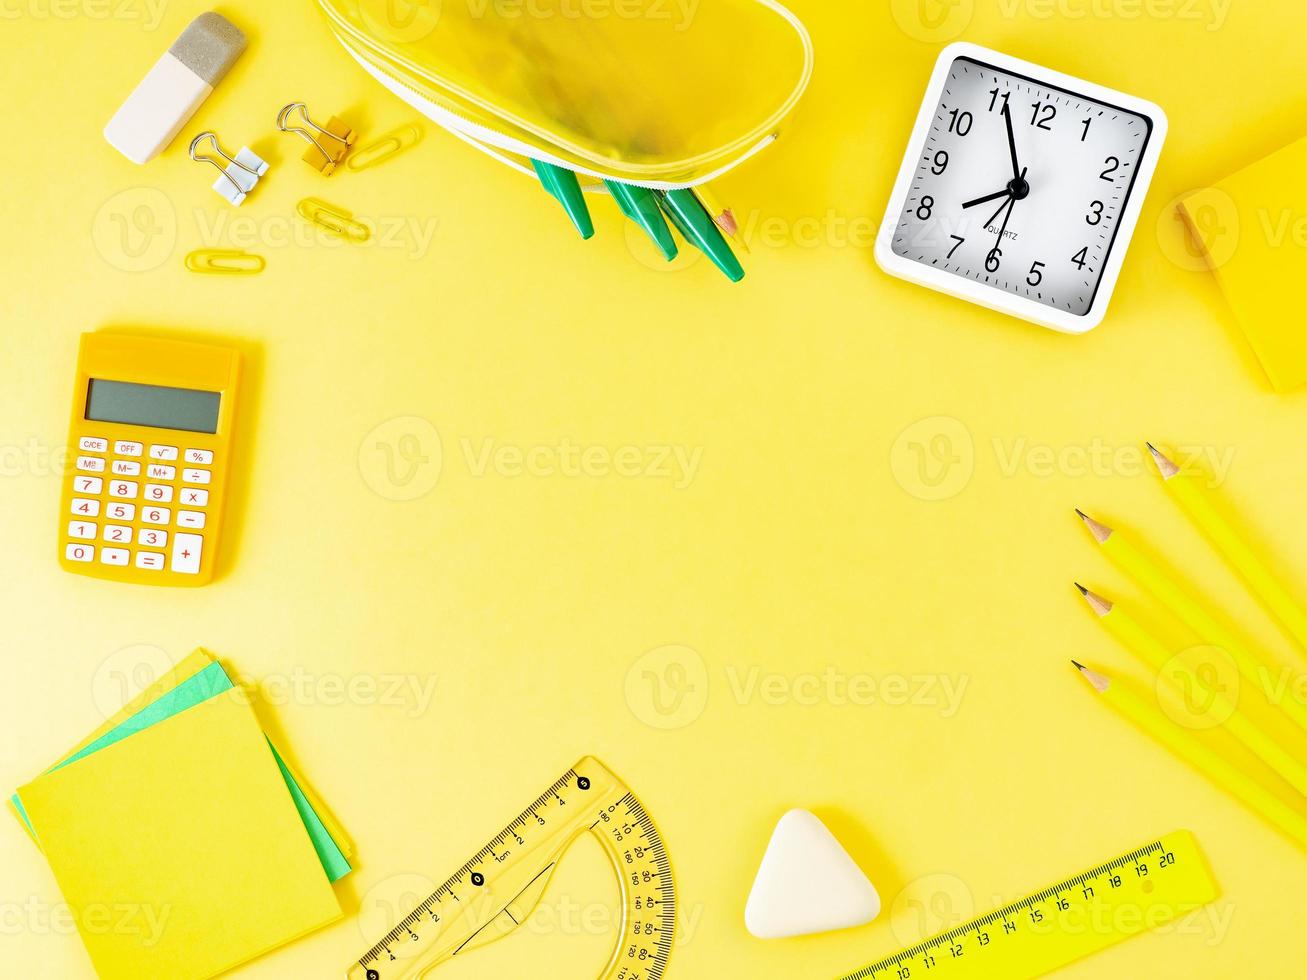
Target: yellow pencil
[1260, 580]
[1256, 670]
[1134, 637]
[1207, 762]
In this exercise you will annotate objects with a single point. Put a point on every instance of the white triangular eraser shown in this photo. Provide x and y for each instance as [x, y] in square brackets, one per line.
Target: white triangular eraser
[807, 883]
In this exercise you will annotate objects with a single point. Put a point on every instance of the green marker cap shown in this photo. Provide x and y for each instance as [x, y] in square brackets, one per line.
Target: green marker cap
[693, 221]
[563, 185]
[641, 205]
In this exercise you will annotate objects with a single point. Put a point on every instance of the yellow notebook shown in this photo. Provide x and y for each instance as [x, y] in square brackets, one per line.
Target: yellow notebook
[1252, 228]
[163, 881]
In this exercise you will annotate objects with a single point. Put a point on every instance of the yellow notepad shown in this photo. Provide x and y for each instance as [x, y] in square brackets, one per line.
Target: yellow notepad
[164, 882]
[1252, 227]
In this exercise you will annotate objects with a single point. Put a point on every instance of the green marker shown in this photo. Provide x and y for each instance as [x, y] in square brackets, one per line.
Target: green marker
[694, 222]
[641, 205]
[563, 185]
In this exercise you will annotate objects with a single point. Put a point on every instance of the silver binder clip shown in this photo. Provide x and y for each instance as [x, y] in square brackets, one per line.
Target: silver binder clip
[240, 174]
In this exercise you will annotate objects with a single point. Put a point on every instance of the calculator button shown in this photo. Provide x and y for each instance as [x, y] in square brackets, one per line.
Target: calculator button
[195, 498]
[118, 533]
[186, 552]
[151, 560]
[114, 556]
[190, 518]
[88, 484]
[123, 488]
[92, 444]
[123, 467]
[159, 472]
[152, 539]
[81, 529]
[79, 552]
[196, 476]
[120, 512]
[156, 515]
[158, 493]
[199, 457]
[165, 453]
[86, 508]
[123, 448]
[90, 464]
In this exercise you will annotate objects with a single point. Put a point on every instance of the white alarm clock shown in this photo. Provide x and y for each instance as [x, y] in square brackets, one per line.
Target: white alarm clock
[1020, 188]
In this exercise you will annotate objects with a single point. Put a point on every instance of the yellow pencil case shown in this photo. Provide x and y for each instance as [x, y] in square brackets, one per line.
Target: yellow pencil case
[659, 93]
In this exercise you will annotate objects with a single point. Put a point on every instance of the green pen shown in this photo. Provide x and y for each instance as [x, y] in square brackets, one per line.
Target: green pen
[694, 222]
[641, 206]
[562, 184]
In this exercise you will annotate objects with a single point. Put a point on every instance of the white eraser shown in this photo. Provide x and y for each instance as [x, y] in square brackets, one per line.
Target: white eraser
[807, 883]
[156, 110]
[175, 87]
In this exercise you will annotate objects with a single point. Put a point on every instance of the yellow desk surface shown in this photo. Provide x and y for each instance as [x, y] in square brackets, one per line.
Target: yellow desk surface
[493, 473]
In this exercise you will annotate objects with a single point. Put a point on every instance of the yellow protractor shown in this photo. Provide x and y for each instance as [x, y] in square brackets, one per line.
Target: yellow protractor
[494, 892]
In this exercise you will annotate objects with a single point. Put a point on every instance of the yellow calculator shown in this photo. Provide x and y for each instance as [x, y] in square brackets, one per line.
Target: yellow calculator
[149, 451]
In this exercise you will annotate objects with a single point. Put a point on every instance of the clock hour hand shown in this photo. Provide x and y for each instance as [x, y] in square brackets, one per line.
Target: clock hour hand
[1017, 172]
[1005, 192]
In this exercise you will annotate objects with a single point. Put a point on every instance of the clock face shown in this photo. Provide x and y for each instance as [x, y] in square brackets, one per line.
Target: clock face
[1021, 186]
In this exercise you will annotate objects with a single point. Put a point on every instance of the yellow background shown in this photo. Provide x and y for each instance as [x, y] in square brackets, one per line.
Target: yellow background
[805, 541]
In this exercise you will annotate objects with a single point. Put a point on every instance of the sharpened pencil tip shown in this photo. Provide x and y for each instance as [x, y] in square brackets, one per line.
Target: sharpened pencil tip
[1151, 448]
[1081, 514]
[1078, 665]
[1083, 590]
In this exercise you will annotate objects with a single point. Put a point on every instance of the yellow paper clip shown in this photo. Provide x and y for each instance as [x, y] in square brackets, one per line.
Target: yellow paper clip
[333, 219]
[386, 148]
[225, 262]
[323, 154]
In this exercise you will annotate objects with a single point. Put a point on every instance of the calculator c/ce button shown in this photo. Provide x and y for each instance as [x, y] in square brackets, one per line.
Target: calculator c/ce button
[81, 529]
[93, 444]
[158, 493]
[195, 498]
[151, 560]
[155, 515]
[199, 457]
[79, 552]
[123, 488]
[157, 471]
[90, 464]
[186, 552]
[124, 448]
[114, 556]
[165, 453]
[190, 518]
[196, 476]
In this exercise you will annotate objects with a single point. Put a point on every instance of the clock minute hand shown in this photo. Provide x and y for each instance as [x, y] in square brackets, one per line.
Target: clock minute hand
[1012, 143]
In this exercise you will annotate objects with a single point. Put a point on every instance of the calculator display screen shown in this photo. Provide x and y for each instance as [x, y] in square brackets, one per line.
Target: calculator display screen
[152, 405]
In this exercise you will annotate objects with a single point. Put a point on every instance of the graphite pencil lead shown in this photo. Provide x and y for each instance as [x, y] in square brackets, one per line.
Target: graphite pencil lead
[1081, 514]
[1096, 602]
[1078, 665]
[1165, 466]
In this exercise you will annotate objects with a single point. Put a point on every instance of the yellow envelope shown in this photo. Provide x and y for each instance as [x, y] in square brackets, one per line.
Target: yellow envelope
[179, 849]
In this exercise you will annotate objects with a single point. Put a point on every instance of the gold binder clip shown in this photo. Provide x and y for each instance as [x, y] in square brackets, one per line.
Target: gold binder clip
[331, 218]
[324, 154]
[225, 262]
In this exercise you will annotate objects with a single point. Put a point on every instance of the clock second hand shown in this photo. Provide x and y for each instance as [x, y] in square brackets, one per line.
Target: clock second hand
[1011, 206]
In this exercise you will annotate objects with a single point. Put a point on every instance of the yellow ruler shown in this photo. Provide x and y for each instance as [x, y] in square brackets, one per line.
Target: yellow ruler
[1148, 887]
[494, 892]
